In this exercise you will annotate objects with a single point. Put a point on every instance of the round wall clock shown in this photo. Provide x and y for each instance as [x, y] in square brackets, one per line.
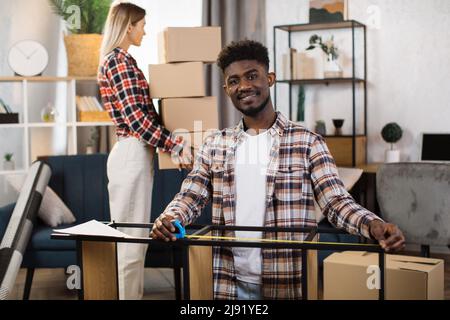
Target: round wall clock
[28, 58]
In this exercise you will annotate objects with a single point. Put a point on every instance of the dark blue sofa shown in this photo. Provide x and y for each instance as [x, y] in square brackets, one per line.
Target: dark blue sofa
[81, 182]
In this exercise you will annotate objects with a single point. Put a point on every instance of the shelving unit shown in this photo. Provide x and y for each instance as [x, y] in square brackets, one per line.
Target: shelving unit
[338, 145]
[67, 123]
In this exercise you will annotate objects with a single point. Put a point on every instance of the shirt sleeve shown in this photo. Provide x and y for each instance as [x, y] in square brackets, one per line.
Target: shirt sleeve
[335, 202]
[125, 82]
[196, 189]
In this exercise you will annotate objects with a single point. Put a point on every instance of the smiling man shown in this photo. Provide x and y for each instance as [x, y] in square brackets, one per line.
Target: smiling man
[266, 171]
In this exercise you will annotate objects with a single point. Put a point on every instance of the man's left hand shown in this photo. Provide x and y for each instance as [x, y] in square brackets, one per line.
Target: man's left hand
[388, 235]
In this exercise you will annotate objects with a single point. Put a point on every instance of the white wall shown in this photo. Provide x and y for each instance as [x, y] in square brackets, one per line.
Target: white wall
[408, 70]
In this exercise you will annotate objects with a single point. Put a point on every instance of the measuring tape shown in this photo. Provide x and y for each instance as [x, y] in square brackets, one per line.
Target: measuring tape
[181, 233]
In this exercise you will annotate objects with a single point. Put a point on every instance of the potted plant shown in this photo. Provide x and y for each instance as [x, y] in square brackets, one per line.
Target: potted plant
[93, 141]
[392, 133]
[332, 68]
[8, 163]
[321, 128]
[84, 20]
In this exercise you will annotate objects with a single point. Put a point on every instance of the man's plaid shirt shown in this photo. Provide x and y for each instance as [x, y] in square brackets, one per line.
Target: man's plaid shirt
[301, 168]
[126, 96]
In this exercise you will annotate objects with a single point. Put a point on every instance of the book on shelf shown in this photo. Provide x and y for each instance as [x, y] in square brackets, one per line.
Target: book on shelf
[87, 104]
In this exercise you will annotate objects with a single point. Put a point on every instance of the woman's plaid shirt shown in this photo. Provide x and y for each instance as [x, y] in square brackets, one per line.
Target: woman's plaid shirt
[126, 96]
[301, 168]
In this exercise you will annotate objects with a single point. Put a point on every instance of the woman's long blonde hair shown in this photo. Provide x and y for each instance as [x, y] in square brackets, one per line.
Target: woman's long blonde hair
[121, 15]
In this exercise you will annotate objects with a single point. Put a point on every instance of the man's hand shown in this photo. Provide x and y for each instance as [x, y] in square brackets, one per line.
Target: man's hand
[187, 157]
[163, 228]
[388, 235]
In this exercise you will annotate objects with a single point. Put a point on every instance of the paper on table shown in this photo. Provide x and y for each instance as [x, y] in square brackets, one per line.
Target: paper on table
[93, 228]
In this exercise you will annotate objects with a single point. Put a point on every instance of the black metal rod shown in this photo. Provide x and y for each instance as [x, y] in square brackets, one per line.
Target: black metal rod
[304, 274]
[353, 98]
[186, 283]
[80, 264]
[290, 83]
[275, 64]
[382, 265]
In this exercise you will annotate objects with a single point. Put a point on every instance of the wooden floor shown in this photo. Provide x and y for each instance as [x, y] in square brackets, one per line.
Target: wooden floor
[50, 284]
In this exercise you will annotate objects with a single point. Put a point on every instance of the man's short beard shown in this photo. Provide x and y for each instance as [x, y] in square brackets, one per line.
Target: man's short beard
[254, 111]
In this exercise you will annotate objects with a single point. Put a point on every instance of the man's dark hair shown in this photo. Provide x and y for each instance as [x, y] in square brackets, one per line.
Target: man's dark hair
[243, 50]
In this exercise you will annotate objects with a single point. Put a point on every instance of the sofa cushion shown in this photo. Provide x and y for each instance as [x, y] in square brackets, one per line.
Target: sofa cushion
[81, 182]
[40, 239]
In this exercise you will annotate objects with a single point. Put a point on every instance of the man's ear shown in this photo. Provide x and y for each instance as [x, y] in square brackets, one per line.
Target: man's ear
[272, 78]
[225, 89]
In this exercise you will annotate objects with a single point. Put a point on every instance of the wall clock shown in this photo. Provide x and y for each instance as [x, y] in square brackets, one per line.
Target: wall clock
[28, 58]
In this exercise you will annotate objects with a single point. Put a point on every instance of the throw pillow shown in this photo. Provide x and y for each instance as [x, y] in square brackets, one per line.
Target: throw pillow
[53, 211]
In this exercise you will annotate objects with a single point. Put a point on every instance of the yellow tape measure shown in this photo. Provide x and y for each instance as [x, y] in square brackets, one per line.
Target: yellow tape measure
[276, 240]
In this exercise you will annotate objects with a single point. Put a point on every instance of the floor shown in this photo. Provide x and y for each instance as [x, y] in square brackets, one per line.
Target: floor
[50, 284]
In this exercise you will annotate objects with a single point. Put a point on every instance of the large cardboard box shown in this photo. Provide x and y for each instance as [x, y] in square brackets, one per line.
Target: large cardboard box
[189, 44]
[190, 114]
[177, 80]
[194, 139]
[348, 276]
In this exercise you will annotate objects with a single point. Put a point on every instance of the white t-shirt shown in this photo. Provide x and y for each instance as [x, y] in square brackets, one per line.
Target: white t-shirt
[252, 160]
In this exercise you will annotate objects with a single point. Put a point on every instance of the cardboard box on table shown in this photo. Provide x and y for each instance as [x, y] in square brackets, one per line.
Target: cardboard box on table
[182, 44]
[347, 277]
[190, 114]
[177, 80]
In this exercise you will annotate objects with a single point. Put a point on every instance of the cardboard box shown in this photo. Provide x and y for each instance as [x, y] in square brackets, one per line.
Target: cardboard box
[189, 44]
[347, 277]
[177, 80]
[194, 139]
[190, 114]
[341, 149]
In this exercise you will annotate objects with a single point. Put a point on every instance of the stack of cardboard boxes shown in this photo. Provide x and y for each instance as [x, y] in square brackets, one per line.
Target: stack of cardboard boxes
[179, 81]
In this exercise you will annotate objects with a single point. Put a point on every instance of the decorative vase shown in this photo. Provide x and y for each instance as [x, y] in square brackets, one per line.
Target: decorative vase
[332, 69]
[49, 113]
[8, 165]
[338, 123]
[392, 156]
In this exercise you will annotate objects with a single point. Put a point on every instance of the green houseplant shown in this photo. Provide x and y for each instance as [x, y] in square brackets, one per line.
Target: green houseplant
[331, 68]
[84, 20]
[392, 133]
[8, 163]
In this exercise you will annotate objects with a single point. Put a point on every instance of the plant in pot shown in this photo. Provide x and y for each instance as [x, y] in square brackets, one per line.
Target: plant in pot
[331, 69]
[8, 163]
[84, 20]
[392, 133]
[93, 141]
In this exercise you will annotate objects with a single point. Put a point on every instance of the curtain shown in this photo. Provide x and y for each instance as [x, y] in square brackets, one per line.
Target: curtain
[239, 20]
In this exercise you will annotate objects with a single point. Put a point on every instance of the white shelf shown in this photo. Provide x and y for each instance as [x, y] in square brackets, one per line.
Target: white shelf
[46, 125]
[10, 172]
[93, 124]
[39, 137]
[12, 125]
[46, 79]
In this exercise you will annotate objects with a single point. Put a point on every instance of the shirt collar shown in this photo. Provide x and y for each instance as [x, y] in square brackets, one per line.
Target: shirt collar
[277, 128]
[126, 54]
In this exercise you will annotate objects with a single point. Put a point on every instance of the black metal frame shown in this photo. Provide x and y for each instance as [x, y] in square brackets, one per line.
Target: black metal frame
[349, 24]
[181, 246]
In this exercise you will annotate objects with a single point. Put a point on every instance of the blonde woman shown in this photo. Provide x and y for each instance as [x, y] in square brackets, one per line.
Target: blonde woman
[125, 94]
